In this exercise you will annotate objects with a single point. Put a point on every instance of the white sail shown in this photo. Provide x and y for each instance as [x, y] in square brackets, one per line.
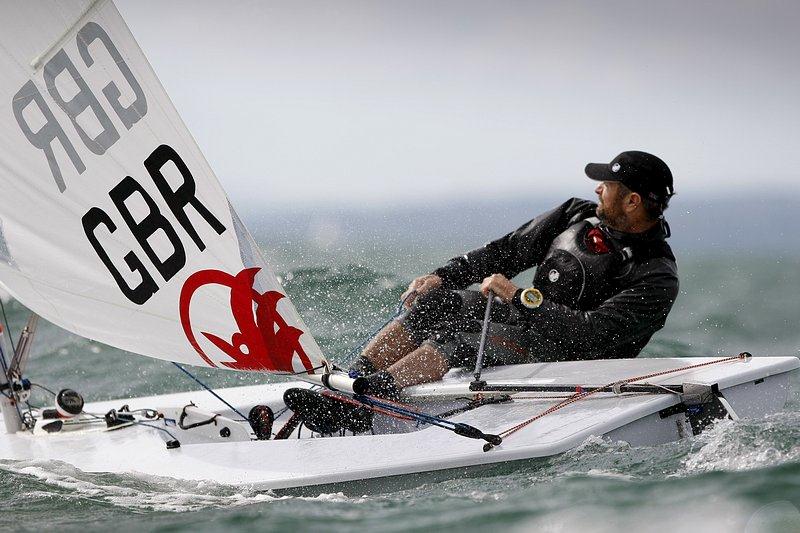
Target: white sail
[112, 223]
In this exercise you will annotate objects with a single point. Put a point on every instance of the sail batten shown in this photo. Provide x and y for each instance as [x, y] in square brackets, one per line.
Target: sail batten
[112, 223]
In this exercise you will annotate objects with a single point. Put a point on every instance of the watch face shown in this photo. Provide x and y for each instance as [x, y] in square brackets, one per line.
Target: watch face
[531, 298]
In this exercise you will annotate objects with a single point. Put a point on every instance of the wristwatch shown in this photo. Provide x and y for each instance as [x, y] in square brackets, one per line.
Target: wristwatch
[531, 298]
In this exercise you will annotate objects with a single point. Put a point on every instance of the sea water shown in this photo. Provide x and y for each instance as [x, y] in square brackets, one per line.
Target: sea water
[344, 279]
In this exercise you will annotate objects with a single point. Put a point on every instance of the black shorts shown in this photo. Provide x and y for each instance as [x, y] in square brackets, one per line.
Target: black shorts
[452, 321]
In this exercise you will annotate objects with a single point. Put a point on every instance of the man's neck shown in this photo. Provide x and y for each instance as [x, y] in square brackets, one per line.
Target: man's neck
[633, 226]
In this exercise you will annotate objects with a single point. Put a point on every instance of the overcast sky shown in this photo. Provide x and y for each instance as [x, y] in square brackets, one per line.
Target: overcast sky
[373, 102]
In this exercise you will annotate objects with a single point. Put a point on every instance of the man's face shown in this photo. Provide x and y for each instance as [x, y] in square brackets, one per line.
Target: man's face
[609, 203]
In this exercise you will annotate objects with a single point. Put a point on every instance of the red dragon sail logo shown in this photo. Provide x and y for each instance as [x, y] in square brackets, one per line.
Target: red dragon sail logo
[264, 340]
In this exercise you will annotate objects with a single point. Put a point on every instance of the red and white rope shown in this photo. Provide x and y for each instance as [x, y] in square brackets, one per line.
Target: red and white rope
[580, 394]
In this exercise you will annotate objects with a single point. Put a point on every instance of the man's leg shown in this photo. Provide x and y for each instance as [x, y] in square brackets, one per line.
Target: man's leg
[423, 365]
[390, 345]
[435, 357]
[398, 357]
[429, 313]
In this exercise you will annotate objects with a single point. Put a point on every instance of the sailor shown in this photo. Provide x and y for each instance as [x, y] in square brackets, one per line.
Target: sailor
[605, 281]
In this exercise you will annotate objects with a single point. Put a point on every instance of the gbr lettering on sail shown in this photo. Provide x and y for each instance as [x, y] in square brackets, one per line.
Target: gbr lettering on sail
[89, 124]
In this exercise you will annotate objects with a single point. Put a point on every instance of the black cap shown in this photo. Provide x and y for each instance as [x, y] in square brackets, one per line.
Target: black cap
[639, 171]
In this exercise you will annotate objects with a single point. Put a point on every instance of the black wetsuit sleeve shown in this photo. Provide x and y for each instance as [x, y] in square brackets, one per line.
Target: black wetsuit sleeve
[517, 251]
[629, 318]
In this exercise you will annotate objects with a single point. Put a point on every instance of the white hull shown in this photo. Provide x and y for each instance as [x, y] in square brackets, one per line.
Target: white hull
[752, 389]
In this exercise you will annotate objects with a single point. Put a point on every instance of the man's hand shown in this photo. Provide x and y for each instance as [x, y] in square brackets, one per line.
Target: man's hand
[420, 286]
[500, 286]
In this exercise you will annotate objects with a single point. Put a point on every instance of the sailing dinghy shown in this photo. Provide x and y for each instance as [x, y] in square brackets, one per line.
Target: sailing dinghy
[114, 227]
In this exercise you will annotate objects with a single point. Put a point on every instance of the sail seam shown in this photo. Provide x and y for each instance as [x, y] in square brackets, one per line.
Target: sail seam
[37, 61]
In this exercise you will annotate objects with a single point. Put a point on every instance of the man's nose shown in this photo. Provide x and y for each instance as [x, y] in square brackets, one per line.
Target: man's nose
[599, 189]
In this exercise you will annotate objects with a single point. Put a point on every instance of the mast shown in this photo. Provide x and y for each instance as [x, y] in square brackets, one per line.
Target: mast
[8, 404]
[20, 360]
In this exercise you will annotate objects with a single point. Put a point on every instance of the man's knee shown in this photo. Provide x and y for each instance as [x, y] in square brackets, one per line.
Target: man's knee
[433, 308]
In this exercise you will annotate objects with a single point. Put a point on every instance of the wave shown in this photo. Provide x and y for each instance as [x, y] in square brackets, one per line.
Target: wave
[747, 444]
[137, 492]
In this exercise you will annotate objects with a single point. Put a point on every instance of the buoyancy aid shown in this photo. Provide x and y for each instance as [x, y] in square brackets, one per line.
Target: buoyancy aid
[583, 266]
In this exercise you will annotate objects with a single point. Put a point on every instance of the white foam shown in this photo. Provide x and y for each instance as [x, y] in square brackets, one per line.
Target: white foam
[605, 474]
[597, 444]
[166, 494]
[333, 497]
[744, 445]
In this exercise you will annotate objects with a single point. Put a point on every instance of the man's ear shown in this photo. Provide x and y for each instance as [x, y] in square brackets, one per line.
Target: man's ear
[634, 200]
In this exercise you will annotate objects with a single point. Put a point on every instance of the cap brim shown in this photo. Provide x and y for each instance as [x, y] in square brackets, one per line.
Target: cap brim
[601, 172]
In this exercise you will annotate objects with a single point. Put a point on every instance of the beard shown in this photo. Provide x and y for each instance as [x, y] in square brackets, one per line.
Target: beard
[610, 217]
